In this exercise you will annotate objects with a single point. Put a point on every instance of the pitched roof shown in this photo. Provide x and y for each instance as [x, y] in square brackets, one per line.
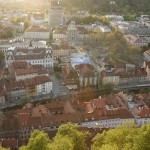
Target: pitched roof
[20, 65]
[98, 103]
[145, 113]
[37, 29]
[86, 70]
[36, 81]
[14, 85]
[69, 72]
[82, 30]
[29, 57]
[25, 72]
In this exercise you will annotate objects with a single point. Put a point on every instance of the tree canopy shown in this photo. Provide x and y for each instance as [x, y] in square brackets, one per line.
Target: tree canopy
[105, 6]
[116, 46]
[1, 57]
[75, 137]
[86, 94]
[39, 140]
[67, 138]
[2, 148]
[125, 137]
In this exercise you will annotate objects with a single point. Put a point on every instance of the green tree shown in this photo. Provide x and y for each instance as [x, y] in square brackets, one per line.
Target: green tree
[108, 88]
[25, 100]
[86, 94]
[23, 148]
[109, 147]
[120, 138]
[142, 139]
[63, 143]
[2, 148]
[1, 57]
[26, 24]
[76, 137]
[8, 34]
[39, 140]
[143, 49]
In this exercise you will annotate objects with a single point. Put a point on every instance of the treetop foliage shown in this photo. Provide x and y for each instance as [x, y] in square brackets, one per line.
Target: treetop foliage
[125, 137]
[104, 6]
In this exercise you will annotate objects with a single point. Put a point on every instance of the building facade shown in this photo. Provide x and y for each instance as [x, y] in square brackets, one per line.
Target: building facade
[56, 14]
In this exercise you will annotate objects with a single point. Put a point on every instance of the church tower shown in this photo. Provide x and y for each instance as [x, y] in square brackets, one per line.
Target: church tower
[49, 52]
[56, 13]
[9, 57]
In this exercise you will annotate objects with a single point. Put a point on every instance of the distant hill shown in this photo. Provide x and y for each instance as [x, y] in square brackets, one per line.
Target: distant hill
[111, 6]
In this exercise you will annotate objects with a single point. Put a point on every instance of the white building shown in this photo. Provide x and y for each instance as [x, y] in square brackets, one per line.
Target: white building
[34, 56]
[39, 19]
[109, 78]
[23, 74]
[76, 34]
[59, 33]
[110, 118]
[105, 29]
[4, 46]
[40, 84]
[115, 17]
[37, 33]
[45, 87]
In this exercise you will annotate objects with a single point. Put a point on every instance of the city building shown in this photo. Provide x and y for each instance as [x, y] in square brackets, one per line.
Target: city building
[15, 91]
[70, 77]
[60, 33]
[88, 75]
[39, 19]
[147, 55]
[76, 34]
[34, 56]
[56, 13]
[37, 33]
[109, 78]
[61, 49]
[137, 41]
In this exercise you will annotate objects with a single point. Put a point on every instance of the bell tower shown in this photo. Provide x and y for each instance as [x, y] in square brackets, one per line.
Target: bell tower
[9, 57]
[49, 53]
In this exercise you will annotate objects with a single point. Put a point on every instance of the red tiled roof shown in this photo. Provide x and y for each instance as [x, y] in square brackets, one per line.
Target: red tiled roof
[20, 65]
[14, 85]
[69, 72]
[37, 29]
[25, 72]
[138, 72]
[88, 107]
[86, 70]
[38, 67]
[60, 30]
[43, 71]
[98, 103]
[82, 30]
[29, 57]
[36, 81]
[59, 47]
[145, 113]
[123, 65]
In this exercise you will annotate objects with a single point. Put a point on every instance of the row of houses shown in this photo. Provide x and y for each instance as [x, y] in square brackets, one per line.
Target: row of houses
[24, 80]
[89, 74]
[97, 112]
[108, 111]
